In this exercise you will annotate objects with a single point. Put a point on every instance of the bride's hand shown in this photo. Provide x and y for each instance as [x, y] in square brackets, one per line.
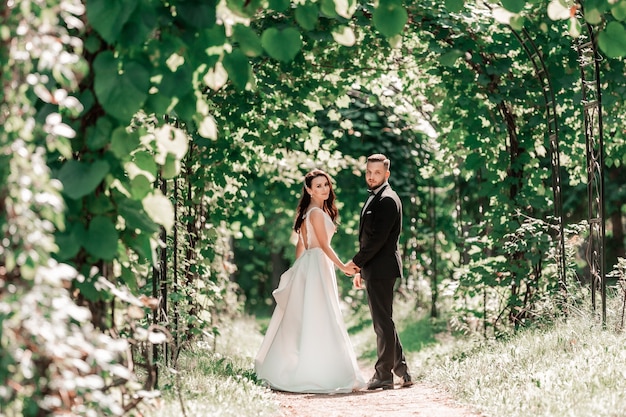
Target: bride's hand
[347, 270]
[350, 269]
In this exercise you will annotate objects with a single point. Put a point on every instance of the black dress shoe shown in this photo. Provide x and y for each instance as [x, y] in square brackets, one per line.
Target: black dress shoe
[376, 383]
[406, 380]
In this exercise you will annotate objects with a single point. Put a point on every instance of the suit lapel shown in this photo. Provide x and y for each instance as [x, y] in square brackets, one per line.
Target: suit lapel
[370, 205]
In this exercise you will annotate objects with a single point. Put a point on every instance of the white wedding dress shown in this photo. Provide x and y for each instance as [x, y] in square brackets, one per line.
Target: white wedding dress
[306, 347]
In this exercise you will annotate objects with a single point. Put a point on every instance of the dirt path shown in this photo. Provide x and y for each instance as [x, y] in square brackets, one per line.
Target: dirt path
[419, 400]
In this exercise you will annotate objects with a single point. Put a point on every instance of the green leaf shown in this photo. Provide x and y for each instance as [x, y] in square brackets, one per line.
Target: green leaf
[244, 7]
[611, 40]
[619, 11]
[514, 6]
[99, 204]
[130, 279]
[454, 6]
[140, 187]
[102, 238]
[282, 45]
[390, 18]
[121, 91]
[140, 26]
[186, 106]
[200, 14]
[171, 168]
[238, 68]
[306, 16]
[132, 211]
[327, 7]
[449, 58]
[141, 244]
[81, 178]
[593, 16]
[517, 22]
[99, 135]
[249, 41]
[108, 17]
[178, 83]
[69, 243]
[123, 143]
[279, 5]
[145, 161]
[92, 43]
[89, 291]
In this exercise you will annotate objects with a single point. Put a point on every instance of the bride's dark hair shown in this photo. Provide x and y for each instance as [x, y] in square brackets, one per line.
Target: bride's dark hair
[329, 205]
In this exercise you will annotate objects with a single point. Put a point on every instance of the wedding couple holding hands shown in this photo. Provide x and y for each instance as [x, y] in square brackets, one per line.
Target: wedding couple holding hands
[306, 347]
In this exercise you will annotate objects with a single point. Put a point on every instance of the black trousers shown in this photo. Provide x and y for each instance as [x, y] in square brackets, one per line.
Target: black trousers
[389, 349]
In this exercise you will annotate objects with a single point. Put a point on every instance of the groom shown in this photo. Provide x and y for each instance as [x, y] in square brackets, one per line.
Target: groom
[380, 266]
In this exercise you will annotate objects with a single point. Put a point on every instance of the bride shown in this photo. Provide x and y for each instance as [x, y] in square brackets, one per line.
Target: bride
[306, 347]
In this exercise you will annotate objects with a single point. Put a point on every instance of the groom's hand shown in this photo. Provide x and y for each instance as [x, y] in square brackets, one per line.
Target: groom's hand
[357, 281]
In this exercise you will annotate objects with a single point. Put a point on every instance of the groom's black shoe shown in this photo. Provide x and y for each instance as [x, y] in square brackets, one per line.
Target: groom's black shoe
[406, 381]
[376, 383]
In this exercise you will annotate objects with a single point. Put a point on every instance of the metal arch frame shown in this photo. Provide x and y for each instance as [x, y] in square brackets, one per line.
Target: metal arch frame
[589, 63]
[541, 74]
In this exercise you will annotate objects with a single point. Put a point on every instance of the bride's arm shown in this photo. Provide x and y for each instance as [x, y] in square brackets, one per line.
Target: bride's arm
[317, 223]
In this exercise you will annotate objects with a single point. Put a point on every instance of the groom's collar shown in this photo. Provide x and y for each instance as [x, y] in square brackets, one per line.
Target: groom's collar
[377, 190]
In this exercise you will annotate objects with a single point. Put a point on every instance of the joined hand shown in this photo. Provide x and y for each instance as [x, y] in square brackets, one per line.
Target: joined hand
[351, 268]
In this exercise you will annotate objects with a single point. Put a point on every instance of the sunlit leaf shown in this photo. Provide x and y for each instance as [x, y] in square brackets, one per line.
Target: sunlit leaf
[344, 35]
[216, 77]
[345, 8]
[558, 11]
[160, 209]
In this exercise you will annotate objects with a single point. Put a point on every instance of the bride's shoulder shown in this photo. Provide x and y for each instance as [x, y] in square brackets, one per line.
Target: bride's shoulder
[316, 212]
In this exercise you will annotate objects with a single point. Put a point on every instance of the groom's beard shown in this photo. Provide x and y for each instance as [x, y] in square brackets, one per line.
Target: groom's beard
[375, 186]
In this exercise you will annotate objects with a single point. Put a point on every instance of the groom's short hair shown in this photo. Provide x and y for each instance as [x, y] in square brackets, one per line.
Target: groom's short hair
[379, 157]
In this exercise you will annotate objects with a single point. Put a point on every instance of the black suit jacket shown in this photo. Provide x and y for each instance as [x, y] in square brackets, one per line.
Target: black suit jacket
[379, 232]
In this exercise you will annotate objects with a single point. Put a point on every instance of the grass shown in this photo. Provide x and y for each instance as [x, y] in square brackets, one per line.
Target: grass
[217, 383]
[575, 367]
